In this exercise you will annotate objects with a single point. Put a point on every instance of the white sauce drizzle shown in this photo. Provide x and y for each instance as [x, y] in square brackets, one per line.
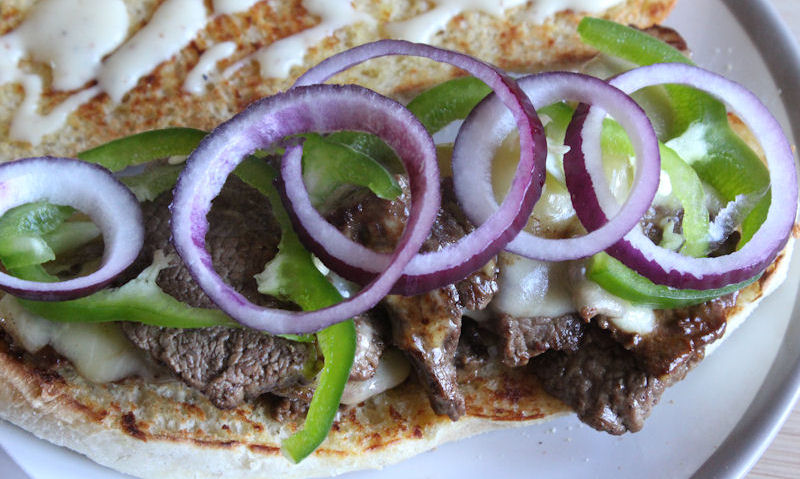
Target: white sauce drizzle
[543, 9]
[30, 125]
[227, 7]
[204, 72]
[424, 26]
[277, 59]
[172, 27]
[48, 35]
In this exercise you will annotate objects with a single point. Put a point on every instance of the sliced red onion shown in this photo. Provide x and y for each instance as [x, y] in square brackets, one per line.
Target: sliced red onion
[317, 108]
[667, 267]
[85, 187]
[487, 126]
[431, 270]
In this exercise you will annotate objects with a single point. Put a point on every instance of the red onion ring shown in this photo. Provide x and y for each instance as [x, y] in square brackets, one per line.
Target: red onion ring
[489, 123]
[673, 269]
[317, 108]
[85, 187]
[435, 269]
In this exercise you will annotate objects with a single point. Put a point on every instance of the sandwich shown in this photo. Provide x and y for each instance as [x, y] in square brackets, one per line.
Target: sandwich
[151, 367]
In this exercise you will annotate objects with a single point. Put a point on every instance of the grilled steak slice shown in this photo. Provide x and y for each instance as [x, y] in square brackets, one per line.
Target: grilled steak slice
[370, 345]
[228, 365]
[425, 327]
[243, 236]
[524, 338]
[614, 379]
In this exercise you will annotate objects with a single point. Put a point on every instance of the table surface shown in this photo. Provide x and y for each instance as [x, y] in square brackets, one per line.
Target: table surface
[782, 459]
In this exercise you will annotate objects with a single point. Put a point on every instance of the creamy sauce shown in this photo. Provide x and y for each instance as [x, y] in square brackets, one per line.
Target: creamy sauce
[424, 26]
[228, 7]
[277, 59]
[172, 27]
[30, 125]
[48, 35]
[204, 73]
[99, 352]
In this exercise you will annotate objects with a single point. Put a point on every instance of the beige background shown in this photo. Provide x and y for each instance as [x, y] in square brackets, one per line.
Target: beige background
[782, 459]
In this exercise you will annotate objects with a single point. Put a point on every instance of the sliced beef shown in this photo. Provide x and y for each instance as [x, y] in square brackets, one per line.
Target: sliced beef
[228, 365]
[425, 327]
[602, 382]
[524, 338]
[613, 379]
[243, 236]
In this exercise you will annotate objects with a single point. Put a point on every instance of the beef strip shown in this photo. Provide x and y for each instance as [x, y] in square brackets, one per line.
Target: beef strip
[425, 327]
[228, 365]
[613, 380]
[233, 365]
[524, 338]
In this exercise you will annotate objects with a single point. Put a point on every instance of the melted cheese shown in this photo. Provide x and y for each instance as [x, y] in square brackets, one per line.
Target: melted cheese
[99, 352]
[172, 27]
[392, 370]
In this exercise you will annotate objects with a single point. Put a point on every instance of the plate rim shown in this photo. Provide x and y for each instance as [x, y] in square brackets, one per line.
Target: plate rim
[778, 393]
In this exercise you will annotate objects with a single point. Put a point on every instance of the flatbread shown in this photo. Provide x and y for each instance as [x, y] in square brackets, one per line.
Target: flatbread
[165, 429]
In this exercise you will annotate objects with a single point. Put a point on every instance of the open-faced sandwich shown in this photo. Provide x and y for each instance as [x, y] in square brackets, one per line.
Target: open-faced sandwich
[261, 264]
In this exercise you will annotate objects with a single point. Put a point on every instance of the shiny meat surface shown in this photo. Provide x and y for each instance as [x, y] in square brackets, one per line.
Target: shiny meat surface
[228, 365]
[425, 327]
[242, 237]
[524, 338]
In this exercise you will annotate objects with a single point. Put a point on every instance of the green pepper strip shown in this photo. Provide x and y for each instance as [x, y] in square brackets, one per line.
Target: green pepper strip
[623, 282]
[144, 147]
[297, 279]
[436, 108]
[725, 162]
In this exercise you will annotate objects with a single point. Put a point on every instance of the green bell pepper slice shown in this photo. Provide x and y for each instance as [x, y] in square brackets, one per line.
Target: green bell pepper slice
[723, 160]
[292, 275]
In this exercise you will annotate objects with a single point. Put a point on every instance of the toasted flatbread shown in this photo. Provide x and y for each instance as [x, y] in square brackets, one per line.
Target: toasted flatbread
[183, 435]
[175, 427]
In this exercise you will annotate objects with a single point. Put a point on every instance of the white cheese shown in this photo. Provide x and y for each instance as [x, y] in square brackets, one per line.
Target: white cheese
[392, 370]
[528, 288]
[99, 352]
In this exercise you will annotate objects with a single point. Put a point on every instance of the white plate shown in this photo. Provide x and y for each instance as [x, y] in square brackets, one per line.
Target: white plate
[715, 423]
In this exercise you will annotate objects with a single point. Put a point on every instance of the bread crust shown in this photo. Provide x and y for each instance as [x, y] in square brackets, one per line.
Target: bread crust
[183, 435]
